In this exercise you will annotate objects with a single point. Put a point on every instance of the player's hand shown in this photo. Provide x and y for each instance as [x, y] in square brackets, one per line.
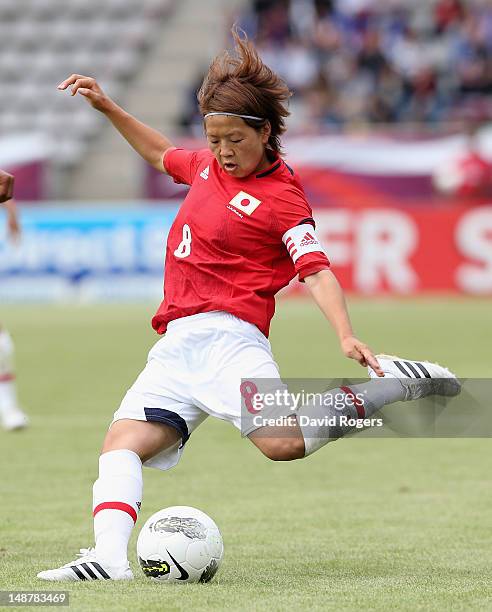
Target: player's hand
[6, 186]
[90, 89]
[355, 349]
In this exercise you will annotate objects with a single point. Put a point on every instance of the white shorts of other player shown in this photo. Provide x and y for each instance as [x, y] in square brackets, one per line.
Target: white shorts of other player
[194, 371]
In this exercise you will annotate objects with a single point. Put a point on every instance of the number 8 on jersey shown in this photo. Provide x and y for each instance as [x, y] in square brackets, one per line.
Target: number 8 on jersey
[184, 247]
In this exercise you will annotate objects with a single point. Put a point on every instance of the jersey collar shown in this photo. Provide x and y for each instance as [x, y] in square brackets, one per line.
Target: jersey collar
[271, 169]
[274, 166]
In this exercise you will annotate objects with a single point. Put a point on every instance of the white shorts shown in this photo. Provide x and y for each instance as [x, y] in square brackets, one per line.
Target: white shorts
[194, 371]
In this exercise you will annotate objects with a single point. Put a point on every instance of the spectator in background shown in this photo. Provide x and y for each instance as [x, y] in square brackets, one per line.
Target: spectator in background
[384, 61]
[6, 186]
[11, 416]
[468, 175]
[448, 13]
[370, 57]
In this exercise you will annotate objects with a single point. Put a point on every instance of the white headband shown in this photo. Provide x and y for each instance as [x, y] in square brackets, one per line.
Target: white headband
[235, 115]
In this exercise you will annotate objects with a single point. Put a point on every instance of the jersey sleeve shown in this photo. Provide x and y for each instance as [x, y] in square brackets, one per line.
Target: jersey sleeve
[298, 233]
[182, 164]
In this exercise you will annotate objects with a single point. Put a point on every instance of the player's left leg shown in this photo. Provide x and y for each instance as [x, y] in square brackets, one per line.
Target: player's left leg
[11, 416]
[318, 423]
[241, 366]
[313, 425]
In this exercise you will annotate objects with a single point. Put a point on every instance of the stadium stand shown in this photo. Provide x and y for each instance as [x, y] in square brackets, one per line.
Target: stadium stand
[43, 41]
[144, 54]
[190, 37]
[353, 62]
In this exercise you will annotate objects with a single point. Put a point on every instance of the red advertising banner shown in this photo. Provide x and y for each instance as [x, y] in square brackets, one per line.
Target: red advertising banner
[108, 254]
[405, 251]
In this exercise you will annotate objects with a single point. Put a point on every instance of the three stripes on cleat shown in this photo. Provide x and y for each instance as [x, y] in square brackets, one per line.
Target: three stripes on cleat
[410, 371]
[90, 568]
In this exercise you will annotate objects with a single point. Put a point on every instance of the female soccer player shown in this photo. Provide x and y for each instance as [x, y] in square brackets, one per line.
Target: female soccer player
[11, 416]
[243, 232]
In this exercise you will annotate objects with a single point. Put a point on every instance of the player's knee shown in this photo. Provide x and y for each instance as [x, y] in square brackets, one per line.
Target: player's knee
[122, 442]
[143, 438]
[283, 449]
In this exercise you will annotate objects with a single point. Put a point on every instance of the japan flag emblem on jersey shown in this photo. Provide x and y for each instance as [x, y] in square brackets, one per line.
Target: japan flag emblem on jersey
[245, 203]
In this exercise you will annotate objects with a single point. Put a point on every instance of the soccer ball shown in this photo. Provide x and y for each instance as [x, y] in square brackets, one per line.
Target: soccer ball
[180, 544]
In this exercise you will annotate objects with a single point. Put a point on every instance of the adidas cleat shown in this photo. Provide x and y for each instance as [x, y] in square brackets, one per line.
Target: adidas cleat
[419, 378]
[86, 567]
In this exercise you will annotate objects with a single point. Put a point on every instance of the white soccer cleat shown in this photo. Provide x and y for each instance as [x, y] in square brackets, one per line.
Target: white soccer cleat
[419, 378]
[14, 419]
[86, 567]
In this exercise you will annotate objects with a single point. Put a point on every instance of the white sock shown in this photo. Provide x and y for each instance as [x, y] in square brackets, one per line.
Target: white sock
[321, 423]
[8, 395]
[117, 497]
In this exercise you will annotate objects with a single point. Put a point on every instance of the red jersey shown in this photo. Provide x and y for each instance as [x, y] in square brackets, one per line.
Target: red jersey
[235, 242]
[476, 175]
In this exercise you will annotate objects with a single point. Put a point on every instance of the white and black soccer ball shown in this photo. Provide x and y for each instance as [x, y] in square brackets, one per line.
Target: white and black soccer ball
[180, 544]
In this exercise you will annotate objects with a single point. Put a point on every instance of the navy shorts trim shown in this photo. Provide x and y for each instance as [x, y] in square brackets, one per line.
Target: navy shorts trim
[166, 417]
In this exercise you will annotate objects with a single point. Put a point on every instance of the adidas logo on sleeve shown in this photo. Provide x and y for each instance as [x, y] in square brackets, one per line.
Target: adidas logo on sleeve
[308, 239]
[301, 240]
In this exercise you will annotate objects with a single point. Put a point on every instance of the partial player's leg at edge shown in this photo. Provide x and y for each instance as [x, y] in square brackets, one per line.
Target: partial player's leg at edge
[11, 415]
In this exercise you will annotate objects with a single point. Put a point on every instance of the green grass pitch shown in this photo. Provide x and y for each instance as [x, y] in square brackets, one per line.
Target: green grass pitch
[393, 524]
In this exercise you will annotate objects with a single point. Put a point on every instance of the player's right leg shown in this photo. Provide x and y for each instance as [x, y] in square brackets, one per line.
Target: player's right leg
[11, 415]
[151, 427]
[117, 496]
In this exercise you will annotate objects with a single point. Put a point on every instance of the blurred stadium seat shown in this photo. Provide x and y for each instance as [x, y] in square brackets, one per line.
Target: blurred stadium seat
[43, 41]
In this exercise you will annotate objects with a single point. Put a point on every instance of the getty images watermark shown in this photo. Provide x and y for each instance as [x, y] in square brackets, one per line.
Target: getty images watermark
[272, 407]
[344, 406]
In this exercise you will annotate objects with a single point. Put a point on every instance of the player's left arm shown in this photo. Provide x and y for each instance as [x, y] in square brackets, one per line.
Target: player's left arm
[327, 293]
[294, 217]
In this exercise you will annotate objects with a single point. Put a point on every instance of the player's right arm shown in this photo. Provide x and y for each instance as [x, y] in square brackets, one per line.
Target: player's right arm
[6, 186]
[146, 141]
[6, 194]
[13, 225]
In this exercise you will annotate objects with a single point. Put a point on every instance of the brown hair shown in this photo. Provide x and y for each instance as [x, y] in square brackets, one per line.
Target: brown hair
[243, 84]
